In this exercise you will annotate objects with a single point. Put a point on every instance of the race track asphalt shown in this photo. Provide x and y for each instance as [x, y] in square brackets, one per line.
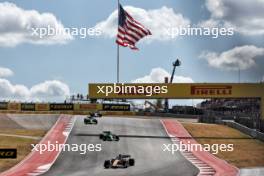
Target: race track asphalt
[143, 139]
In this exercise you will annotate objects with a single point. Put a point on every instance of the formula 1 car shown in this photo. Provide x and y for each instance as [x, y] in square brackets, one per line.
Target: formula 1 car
[121, 161]
[108, 136]
[90, 120]
[95, 114]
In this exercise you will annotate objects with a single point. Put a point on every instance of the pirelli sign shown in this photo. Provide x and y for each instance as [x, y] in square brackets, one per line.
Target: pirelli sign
[176, 91]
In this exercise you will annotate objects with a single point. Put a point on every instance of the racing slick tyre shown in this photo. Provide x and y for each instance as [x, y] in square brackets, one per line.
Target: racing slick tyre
[117, 138]
[101, 136]
[104, 138]
[107, 164]
[131, 162]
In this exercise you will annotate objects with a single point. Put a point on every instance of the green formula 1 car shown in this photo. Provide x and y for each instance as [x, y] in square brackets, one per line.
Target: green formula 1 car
[90, 121]
[108, 136]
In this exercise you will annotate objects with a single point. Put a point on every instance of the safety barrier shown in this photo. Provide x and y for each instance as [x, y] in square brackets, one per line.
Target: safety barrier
[64, 108]
[48, 108]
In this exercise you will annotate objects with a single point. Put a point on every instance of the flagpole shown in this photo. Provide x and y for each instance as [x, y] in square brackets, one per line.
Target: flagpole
[117, 64]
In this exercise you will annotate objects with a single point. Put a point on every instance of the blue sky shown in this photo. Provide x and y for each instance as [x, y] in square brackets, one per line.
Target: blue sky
[93, 59]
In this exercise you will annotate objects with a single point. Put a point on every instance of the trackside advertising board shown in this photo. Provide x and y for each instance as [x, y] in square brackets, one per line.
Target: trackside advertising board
[176, 91]
[42, 107]
[3, 105]
[61, 107]
[28, 107]
[14, 106]
[116, 107]
[87, 106]
[8, 153]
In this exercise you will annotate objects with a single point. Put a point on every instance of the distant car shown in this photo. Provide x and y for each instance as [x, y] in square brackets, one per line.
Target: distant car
[95, 114]
[108, 136]
[90, 121]
[121, 161]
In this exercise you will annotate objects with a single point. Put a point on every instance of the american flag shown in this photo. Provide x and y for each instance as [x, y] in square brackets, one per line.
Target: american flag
[129, 30]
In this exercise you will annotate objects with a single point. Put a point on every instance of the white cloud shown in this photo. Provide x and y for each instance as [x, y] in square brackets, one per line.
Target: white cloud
[210, 23]
[242, 57]
[216, 7]
[11, 91]
[245, 16]
[157, 75]
[46, 91]
[158, 21]
[5, 72]
[16, 26]
[50, 89]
